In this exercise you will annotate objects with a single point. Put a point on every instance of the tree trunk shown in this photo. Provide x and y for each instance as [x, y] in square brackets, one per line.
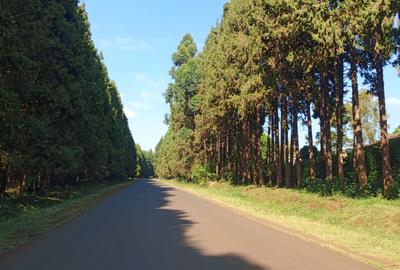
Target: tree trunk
[284, 140]
[295, 131]
[278, 162]
[287, 163]
[3, 182]
[227, 156]
[218, 158]
[268, 149]
[272, 149]
[321, 172]
[310, 143]
[291, 158]
[339, 118]
[326, 108]
[357, 125]
[354, 152]
[380, 88]
[21, 185]
[259, 132]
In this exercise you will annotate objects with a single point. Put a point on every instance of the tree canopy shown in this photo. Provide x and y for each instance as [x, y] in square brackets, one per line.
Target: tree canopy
[269, 66]
[61, 117]
[174, 154]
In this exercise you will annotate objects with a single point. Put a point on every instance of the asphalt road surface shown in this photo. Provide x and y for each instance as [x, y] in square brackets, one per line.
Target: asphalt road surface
[153, 226]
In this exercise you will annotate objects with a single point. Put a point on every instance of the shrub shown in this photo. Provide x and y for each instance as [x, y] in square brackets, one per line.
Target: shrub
[322, 187]
[201, 174]
[395, 190]
[352, 189]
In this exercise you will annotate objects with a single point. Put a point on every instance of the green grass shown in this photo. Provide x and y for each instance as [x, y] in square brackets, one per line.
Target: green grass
[365, 229]
[22, 218]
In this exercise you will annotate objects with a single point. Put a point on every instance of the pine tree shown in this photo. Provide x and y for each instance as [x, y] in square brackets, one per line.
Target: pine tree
[60, 107]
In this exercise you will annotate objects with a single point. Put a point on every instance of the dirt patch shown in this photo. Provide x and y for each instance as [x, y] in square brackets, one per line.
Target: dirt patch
[333, 206]
[395, 220]
[313, 206]
[211, 183]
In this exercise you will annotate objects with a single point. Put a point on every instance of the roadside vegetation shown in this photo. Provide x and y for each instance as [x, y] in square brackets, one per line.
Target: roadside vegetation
[64, 136]
[269, 67]
[24, 217]
[61, 116]
[366, 229]
[144, 163]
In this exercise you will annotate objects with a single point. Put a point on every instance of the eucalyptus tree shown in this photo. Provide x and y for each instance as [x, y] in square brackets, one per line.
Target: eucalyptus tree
[339, 25]
[354, 31]
[380, 22]
[280, 61]
[323, 35]
[181, 95]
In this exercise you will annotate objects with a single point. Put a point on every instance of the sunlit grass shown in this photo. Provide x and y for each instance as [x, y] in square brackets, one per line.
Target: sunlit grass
[22, 218]
[366, 229]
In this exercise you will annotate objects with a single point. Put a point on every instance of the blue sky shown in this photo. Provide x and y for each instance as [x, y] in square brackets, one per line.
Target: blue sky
[137, 39]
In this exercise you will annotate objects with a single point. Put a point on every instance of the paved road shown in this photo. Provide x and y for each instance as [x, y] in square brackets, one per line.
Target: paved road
[151, 226]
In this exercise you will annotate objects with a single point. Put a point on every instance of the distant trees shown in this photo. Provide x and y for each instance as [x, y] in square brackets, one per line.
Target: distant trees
[369, 111]
[270, 64]
[397, 130]
[61, 117]
[144, 163]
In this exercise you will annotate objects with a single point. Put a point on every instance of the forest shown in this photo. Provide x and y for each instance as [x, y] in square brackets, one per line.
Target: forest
[61, 116]
[269, 68]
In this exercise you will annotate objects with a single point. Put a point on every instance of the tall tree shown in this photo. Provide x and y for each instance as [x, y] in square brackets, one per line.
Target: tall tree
[56, 92]
[181, 95]
[383, 12]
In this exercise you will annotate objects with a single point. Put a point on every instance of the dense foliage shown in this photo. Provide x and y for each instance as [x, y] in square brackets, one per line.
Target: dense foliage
[61, 117]
[144, 163]
[174, 153]
[267, 67]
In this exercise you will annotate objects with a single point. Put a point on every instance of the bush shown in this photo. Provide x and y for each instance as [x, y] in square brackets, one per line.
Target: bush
[352, 190]
[322, 187]
[395, 190]
[201, 174]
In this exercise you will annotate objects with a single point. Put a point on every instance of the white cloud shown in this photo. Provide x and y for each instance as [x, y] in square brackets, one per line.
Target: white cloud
[393, 101]
[105, 42]
[142, 105]
[132, 44]
[145, 94]
[151, 83]
[127, 44]
[130, 113]
[133, 109]
[148, 96]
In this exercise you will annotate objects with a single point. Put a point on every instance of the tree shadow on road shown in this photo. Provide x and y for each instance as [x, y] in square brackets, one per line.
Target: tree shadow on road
[167, 246]
[133, 230]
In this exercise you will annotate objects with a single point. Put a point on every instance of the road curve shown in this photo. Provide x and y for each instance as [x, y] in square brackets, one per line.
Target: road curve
[151, 226]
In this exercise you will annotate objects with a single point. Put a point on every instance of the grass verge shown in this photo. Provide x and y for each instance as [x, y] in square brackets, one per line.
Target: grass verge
[22, 218]
[365, 229]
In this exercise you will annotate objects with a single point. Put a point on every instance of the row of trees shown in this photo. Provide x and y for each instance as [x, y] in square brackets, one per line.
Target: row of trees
[61, 117]
[275, 64]
[144, 163]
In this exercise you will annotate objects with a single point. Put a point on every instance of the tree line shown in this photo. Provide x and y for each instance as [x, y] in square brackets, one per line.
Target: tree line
[267, 67]
[144, 163]
[61, 117]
